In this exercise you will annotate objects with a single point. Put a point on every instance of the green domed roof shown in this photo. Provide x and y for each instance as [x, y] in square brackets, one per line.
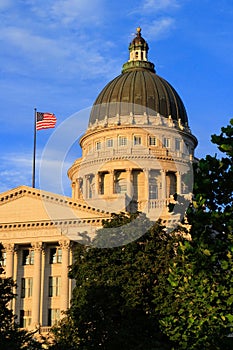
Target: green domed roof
[138, 90]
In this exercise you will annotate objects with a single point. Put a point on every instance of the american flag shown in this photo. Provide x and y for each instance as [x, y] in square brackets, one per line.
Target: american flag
[45, 120]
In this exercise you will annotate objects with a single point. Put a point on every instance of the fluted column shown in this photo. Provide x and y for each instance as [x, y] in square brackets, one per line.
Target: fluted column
[164, 186]
[36, 293]
[178, 182]
[65, 245]
[9, 260]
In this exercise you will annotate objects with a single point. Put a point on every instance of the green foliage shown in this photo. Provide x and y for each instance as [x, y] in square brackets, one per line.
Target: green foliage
[112, 302]
[197, 312]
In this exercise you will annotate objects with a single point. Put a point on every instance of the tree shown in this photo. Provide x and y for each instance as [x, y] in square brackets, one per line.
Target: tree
[197, 311]
[112, 302]
[11, 337]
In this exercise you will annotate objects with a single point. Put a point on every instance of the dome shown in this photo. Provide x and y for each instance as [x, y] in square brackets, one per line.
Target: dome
[138, 90]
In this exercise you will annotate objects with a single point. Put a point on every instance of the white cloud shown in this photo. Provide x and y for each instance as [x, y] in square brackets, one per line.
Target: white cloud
[28, 42]
[15, 170]
[158, 28]
[65, 12]
[159, 5]
[80, 11]
[62, 53]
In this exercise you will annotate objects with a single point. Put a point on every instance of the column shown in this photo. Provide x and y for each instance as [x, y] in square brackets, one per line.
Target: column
[79, 193]
[146, 174]
[71, 281]
[111, 182]
[43, 302]
[9, 260]
[96, 185]
[65, 245]
[36, 292]
[129, 190]
[178, 182]
[73, 187]
[9, 268]
[164, 185]
[85, 187]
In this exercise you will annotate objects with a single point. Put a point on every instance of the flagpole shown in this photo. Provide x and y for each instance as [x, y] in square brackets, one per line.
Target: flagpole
[34, 152]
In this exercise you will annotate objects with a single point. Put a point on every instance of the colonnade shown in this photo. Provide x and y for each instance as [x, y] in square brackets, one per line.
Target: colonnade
[40, 281]
[94, 185]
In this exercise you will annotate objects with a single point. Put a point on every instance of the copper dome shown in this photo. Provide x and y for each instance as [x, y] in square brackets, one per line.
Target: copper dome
[138, 90]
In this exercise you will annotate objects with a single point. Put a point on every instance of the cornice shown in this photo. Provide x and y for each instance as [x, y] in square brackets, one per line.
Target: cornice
[49, 224]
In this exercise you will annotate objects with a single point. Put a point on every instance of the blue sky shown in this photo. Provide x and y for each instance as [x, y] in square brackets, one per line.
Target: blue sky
[58, 55]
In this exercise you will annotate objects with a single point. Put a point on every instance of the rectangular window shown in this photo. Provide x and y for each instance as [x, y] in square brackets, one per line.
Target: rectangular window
[3, 260]
[55, 256]
[98, 145]
[109, 142]
[54, 286]
[122, 141]
[137, 140]
[166, 142]
[26, 287]
[25, 318]
[177, 144]
[28, 257]
[152, 141]
[53, 316]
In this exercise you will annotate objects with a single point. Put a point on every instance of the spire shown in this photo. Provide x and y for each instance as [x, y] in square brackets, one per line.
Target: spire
[138, 50]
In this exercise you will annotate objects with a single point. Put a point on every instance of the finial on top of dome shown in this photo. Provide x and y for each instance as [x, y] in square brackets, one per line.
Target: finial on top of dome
[139, 29]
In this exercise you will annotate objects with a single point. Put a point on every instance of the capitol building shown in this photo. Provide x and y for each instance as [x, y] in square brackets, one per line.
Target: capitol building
[137, 152]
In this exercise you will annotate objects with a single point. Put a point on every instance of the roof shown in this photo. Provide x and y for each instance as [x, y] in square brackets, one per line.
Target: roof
[138, 91]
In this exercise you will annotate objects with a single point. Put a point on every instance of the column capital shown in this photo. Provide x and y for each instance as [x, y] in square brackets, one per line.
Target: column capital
[37, 246]
[64, 244]
[9, 247]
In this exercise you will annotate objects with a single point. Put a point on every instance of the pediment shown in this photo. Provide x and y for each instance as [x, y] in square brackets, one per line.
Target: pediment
[26, 204]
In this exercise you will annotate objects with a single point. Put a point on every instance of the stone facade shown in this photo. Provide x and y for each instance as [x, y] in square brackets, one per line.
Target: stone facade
[38, 231]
